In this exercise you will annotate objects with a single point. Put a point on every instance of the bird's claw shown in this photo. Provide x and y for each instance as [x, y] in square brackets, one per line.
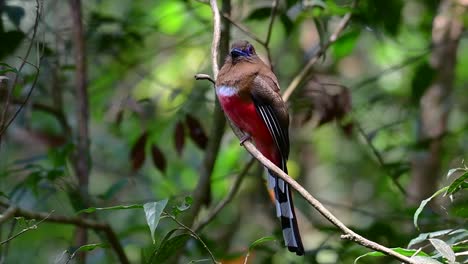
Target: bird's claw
[244, 138]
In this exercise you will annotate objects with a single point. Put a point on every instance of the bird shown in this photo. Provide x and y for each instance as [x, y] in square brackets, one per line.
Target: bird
[249, 94]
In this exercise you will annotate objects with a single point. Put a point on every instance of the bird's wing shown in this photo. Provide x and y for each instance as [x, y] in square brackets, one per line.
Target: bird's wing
[272, 110]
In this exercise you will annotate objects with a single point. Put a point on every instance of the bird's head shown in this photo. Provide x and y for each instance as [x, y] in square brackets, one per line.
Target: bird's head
[242, 49]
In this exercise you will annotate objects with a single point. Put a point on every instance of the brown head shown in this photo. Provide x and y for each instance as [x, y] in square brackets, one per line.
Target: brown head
[242, 50]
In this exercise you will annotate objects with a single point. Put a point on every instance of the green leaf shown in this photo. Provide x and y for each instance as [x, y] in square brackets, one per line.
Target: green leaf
[457, 184]
[425, 260]
[8, 68]
[423, 77]
[423, 204]
[153, 213]
[118, 207]
[15, 14]
[402, 251]
[345, 44]
[423, 236]
[287, 23]
[452, 171]
[10, 40]
[114, 189]
[184, 206]
[3, 194]
[382, 14]
[163, 16]
[261, 241]
[90, 247]
[259, 13]
[170, 247]
[444, 249]
[460, 209]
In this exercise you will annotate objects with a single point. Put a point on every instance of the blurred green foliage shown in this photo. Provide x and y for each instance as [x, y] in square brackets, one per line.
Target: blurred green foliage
[150, 120]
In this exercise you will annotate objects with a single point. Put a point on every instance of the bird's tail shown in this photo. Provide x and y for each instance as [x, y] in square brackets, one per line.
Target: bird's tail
[285, 211]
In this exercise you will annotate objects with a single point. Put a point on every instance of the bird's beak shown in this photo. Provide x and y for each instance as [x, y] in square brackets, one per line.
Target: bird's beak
[235, 52]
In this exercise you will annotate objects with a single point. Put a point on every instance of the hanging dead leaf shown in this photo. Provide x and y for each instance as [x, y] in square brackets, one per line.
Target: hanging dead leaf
[47, 138]
[179, 137]
[137, 154]
[159, 160]
[328, 102]
[197, 134]
[119, 118]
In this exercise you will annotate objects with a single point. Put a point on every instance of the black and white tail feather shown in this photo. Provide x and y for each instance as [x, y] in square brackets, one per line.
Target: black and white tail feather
[284, 203]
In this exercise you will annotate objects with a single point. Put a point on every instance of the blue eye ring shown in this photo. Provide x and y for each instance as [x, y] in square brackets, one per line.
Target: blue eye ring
[250, 49]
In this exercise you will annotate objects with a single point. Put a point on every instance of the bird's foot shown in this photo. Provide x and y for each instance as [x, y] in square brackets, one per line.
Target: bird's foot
[244, 138]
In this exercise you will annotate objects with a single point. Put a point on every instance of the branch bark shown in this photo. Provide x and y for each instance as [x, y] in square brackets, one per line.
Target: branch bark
[82, 158]
[300, 77]
[3, 123]
[202, 192]
[435, 103]
[347, 233]
[76, 221]
[235, 187]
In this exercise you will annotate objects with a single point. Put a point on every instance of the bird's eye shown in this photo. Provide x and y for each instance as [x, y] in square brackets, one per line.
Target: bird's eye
[250, 49]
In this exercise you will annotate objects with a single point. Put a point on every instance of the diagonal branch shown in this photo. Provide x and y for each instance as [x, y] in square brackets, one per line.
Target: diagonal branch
[76, 221]
[235, 187]
[379, 158]
[300, 77]
[202, 192]
[3, 123]
[347, 233]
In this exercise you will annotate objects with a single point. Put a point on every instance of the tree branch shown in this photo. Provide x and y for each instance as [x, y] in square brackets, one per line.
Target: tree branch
[4, 125]
[435, 103]
[243, 29]
[379, 158]
[202, 192]
[274, 8]
[76, 221]
[305, 70]
[347, 233]
[81, 155]
[58, 114]
[195, 235]
[29, 228]
[235, 187]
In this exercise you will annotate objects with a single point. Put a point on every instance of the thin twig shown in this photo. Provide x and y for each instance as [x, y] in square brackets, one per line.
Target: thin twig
[202, 76]
[216, 37]
[76, 221]
[274, 8]
[391, 69]
[194, 235]
[379, 157]
[305, 70]
[29, 228]
[59, 115]
[9, 213]
[28, 95]
[244, 29]
[235, 187]
[202, 192]
[4, 126]
[347, 233]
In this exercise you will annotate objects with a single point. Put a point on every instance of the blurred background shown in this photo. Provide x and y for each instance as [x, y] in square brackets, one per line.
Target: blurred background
[377, 123]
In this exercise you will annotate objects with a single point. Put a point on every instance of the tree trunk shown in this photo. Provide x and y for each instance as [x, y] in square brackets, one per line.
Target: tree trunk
[81, 155]
[435, 103]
